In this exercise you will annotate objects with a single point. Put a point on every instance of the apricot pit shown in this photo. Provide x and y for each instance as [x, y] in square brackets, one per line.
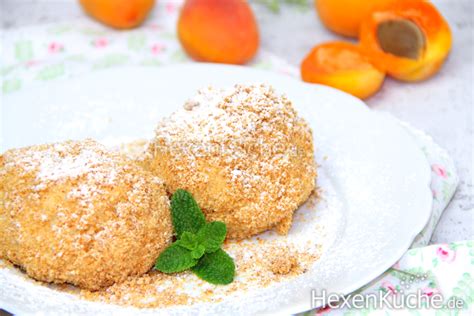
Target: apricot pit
[401, 38]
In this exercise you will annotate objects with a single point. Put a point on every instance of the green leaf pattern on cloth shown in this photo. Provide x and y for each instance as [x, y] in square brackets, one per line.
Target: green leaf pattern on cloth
[11, 85]
[23, 50]
[448, 273]
[54, 51]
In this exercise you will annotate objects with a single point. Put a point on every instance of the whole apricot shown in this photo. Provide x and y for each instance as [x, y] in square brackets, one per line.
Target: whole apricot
[342, 66]
[221, 31]
[345, 16]
[120, 14]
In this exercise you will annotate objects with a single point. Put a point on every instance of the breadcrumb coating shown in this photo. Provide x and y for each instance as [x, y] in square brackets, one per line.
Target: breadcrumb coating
[243, 153]
[76, 213]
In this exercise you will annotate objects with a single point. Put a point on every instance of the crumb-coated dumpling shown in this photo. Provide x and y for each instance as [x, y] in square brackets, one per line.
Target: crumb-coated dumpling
[243, 153]
[74, 212]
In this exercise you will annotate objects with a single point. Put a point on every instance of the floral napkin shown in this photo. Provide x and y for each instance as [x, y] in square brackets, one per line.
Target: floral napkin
[48, 52]
[444, 270]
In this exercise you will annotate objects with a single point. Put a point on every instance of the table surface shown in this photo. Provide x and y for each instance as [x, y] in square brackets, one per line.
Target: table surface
[442, 106]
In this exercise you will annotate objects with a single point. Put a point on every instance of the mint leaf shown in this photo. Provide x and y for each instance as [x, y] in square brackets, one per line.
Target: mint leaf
[185, 213]
[199, 243]
[216, 268]
[197, 252]
[188, 240]
[175, 259]
[212, 235]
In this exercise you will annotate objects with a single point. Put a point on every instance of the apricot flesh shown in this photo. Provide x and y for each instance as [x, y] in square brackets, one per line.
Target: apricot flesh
[218, 31]
[342, 66]
[120, 14]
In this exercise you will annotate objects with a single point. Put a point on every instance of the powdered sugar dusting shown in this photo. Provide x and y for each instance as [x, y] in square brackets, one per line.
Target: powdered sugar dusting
[248, 137]
[75, 206]
[67, 161]
[54, 167]
[208, 115]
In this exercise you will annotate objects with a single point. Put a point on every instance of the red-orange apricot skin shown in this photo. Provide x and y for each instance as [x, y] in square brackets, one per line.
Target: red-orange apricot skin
[120, 14]
[218, 31]
[438, 41]
[345, 16]
[342, 66]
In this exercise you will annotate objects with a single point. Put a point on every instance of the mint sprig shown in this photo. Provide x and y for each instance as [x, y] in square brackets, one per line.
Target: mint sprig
[198, 244]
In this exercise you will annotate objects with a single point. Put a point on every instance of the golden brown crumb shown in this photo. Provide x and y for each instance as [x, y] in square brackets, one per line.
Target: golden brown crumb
[283, 262]
[244, 154]
[257, 265]
[74, 212]
[283, 227]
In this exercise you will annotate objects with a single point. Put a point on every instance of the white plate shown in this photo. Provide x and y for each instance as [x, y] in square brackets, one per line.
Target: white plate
[370, 163]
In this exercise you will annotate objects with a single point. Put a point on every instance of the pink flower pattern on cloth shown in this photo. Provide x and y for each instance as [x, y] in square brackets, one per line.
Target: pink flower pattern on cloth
[157, 48]
[429, 291]
[446, 254]
[388, 286]
[100, 42]
[55, 47]
[454, 283]
[171, 7]
[439, 170]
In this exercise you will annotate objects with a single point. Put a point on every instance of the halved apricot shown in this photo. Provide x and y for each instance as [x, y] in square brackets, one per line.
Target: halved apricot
[343, 66]
[409, 40]
[218, 31]
[345, 16]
